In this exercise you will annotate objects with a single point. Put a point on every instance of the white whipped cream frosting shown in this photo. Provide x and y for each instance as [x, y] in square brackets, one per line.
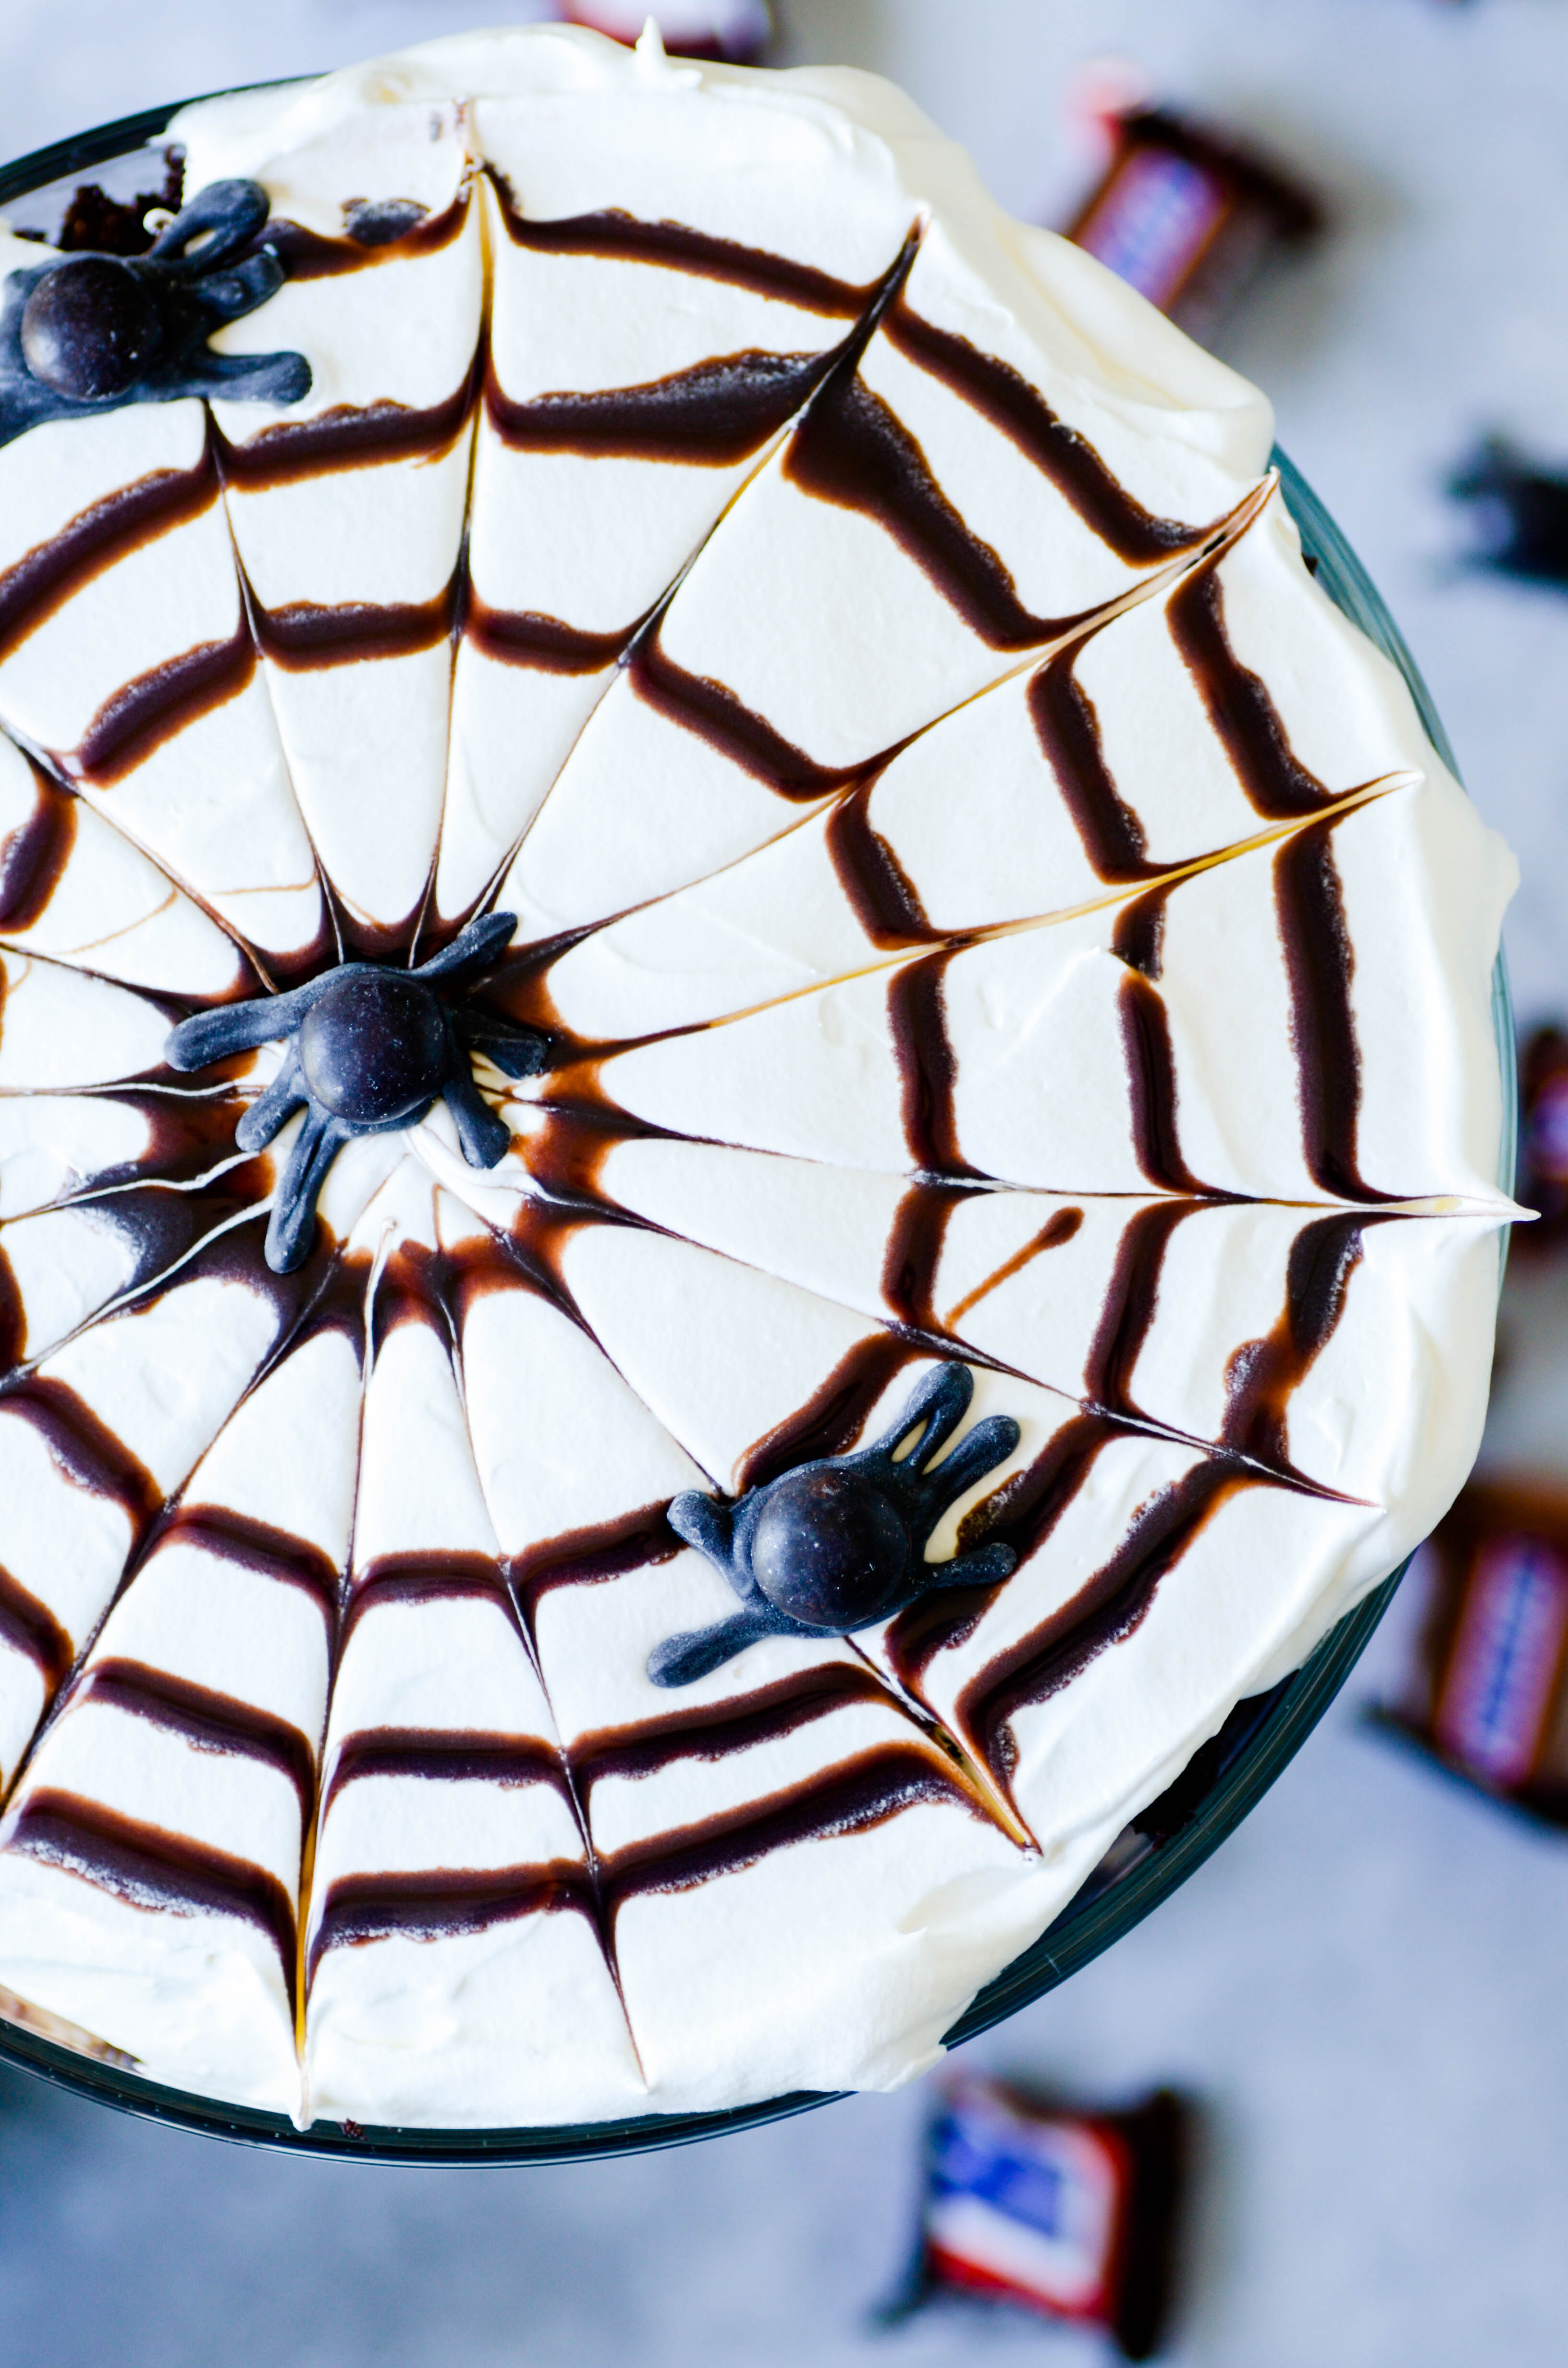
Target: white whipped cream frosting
[987, 908]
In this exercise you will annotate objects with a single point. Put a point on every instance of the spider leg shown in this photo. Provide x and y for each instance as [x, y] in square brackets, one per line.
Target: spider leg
[681, 1660]
[239, 1027]
[292, 1222]
[708, 1526]
[475, 948]
[484, 1136]
[979, 1451]
[275, 1105]
[987, 1566]
[517, 1052]
[940, 1400]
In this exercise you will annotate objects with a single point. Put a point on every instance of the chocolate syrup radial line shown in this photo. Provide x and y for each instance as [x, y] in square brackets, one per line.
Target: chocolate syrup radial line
[206, 1719]
[888, 958]
[999, 1807]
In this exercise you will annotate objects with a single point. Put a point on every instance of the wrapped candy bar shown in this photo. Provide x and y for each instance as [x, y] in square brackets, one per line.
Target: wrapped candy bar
[736, 32]
[1186, 217]
[1069, 2214]
[1488, 1694]
[1516, 514]
[1543, 1138]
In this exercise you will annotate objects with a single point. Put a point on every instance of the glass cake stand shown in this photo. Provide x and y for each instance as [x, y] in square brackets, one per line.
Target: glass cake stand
[1158, 1851]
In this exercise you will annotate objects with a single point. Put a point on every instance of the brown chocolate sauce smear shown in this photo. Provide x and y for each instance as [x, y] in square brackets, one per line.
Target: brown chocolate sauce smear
[713, 1731]
[208, 1720]
[137, 720]
[1244, 717]
[1006, 398]
[1058, 1229]
[31, 1628]
[1107, 1609]
[1132, 1299]
[35, 586]
[462, 1756]
[1067, 729]
[34, 856]
[348, 436]
[443, 1904]
[619, 237]
[928, 1069]
[1320, 963]
[150, 1868]
[852, 1797]
[428, 1577]
[713, 415]
[91, 1456]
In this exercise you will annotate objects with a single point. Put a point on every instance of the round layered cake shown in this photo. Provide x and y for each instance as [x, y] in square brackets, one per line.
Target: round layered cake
[747, 1104]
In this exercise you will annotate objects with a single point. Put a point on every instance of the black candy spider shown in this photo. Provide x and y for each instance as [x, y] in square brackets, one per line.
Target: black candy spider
[370, 1048]
[839, 1544]
[88, 333]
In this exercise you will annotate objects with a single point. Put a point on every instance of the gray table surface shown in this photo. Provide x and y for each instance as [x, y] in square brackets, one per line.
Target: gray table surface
[1365, 1987]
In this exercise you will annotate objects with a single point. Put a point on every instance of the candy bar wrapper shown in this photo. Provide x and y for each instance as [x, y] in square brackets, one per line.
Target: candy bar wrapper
[1487, 1696]
[1543, 1140]
[736, 32]
[1069, 2214]
[1185, 218]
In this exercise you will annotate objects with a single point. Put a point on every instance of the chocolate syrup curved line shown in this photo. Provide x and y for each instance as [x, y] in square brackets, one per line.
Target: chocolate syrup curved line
[254, 1545]
[458, 1755]
[914, 1253]
[586, 1557]
[851, 1797]
[1063, 454]
[883, 898]
[714, 1731]
[713, 712]
[832, 1418]
[926, 1066]
[34, 856]
[87, 1452]
[307, 255]
[208, 1720]
[443, 1904]
[1262, 1374]
[524, 637]
[713, 415]
[1068, 732]
[37, 584]
[307, 634]
[136, 720]
[1021, 1513]
[852, 450]
[1245, 720]
[1147, 1049]
[150, 1868]
[1110, 1605]
[348, 436]
[615, 236]
[29, 1627]
[423, 1579]
[1320, 963]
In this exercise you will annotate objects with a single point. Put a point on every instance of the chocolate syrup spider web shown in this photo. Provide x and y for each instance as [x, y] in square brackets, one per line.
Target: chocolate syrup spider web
[327, 889]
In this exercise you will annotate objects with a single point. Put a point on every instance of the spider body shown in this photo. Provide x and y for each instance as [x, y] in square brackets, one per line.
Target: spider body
[838, 1543]
[368, 1049]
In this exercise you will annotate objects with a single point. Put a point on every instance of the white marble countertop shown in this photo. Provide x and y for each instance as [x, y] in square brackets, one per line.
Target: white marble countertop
[1364, 1989]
